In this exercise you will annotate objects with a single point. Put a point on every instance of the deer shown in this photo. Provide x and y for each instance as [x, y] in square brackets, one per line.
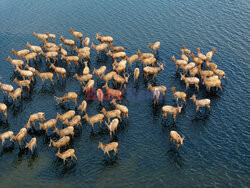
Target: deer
[157, 90]
[58, 70]
[67, 42]
[49, 55]
[94, 119]
[31, 145]
[187, 67]
[119, 67]
[86, 68]
[66, 115]
[196, 60]
[64, 132]
[131, 59]
[20, 53]
[32, 69]
[51, 36]
[20, 136]
[99, 47]
[136, 74]
[17, 93]
[178, 62]
[210, 65]
[109, 147]
[152, 70]
[145, 55]
[86, 41]
[99, 72]
[162, 89]
[116, 55]
[154, 47]
[212, 83]
[122, 108]
[183, 56]
[23, 83]
[25, 73]
[112, 127]
[48, 124]
[103, 39]
[6, 135]
[34, 117]
[204, 73]
[108, 76]
[83, 106]
[200, 55]
[66, 154]
[200, 103]
[62, 51]
[3, 108]
[53, 49]
[116, 48]
[194, 71]
[74, 122]
[112, 113]
[64, 141]
[220, 73]
[148, 61]
[209, 55]
[84, 78]
[100, 95]
[187, 51]
[121, 80]
[70, 59]
[66, 97]
[6, 88]
[49, 45]
[113, 92]
[29, 56]
[40, 36]
[82, 55]
[82, 50]
[15, 62]
[45, 76]
[190, 80]
[179, 95]
[175, 137]
[76, 34]
[171, 110]
[88, 86]
[33, 48]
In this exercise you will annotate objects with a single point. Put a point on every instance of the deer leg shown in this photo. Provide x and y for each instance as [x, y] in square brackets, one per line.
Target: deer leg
[75, 156]
[174, 117]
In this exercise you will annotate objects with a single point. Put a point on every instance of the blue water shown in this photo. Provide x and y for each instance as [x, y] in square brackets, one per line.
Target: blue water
[216, 150]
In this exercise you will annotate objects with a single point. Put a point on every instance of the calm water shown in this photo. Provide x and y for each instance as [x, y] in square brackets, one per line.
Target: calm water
[216, 147]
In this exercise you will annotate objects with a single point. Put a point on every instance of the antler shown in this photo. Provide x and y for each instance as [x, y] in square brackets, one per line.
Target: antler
[57, 99]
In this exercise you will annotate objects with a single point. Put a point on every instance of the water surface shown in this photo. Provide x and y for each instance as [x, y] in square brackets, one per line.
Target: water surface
[216, 147]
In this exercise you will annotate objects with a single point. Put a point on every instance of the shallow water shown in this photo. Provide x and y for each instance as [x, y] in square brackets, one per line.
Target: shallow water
[216, 147]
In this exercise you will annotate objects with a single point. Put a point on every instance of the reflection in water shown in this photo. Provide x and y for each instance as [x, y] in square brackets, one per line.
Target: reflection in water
[175, 156]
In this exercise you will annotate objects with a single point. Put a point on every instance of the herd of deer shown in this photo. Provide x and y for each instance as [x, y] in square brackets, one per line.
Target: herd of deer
[54, 53]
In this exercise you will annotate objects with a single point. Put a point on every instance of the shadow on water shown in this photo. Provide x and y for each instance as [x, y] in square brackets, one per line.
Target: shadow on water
[4, 122]
[111, 161]
[62, 168]
[7, 149]
[174, 156]
[33, 159]
[201, 115]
